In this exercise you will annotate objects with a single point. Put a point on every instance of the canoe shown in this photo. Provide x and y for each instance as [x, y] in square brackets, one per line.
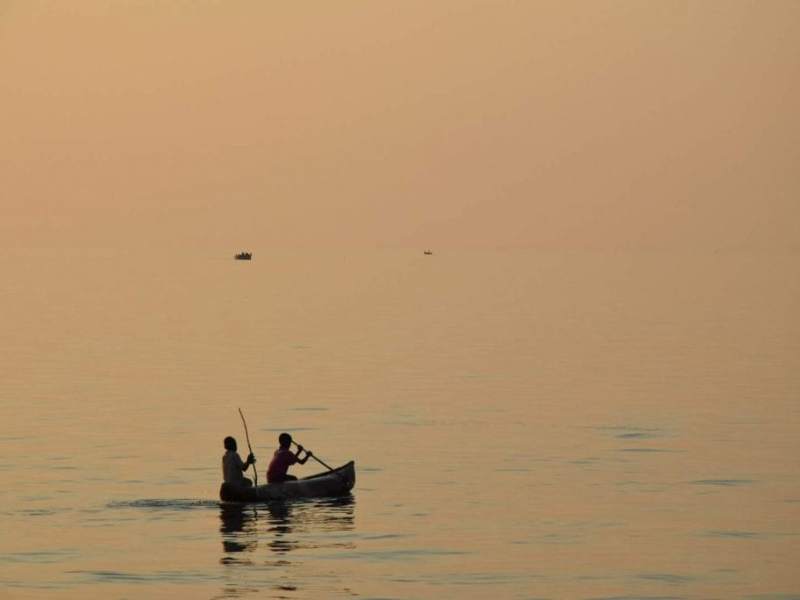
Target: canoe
[330, 483]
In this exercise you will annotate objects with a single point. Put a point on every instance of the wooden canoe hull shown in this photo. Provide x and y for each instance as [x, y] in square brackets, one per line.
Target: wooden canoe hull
[331, 483]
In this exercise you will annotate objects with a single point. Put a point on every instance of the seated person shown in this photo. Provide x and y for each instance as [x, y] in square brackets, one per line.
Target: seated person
[285, 458]
[232, 465]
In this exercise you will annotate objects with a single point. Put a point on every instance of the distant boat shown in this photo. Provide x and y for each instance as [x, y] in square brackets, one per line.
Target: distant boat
[428, 252]
[243, 256]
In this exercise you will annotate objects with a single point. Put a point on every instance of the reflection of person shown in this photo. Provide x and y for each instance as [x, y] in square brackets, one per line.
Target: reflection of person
[238, 528]
[233, 467]
[285, 458]
[281, 528]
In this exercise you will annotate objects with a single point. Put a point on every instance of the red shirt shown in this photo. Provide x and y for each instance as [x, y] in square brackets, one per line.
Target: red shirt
[281, 461]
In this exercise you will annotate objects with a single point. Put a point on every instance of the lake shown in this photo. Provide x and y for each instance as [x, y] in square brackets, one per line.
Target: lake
[525, 424]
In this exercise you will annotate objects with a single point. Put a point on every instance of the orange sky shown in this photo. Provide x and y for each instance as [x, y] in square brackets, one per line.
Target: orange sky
[451, 123]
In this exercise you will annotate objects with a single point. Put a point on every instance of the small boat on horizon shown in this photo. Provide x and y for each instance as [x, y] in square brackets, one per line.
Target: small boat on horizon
[243, 256]
[336, 482]
[428, 252]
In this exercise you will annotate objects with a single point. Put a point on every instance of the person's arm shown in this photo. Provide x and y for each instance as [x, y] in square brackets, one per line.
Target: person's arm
[302, 461]
[251, 460]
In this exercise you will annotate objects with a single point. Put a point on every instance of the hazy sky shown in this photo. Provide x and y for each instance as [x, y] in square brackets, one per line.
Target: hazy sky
[246, 123]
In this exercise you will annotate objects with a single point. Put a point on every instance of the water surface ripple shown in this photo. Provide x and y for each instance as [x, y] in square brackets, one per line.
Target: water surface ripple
[525, 425]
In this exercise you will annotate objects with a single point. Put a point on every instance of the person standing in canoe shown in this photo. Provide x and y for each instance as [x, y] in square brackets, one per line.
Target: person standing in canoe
[233, 466]
[285, 458]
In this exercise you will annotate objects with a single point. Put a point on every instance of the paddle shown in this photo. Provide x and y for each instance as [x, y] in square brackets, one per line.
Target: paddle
[338, 474]
[314, 456]
[247, 435]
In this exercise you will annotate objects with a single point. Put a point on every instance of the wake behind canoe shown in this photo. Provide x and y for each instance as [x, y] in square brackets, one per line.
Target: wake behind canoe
[337, 482]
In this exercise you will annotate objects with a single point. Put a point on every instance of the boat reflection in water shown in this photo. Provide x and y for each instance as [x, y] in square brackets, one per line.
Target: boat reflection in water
[284, 526]
[281, 526]
[312, 520]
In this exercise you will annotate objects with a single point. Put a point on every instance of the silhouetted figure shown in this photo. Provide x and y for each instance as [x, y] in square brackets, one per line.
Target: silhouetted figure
[233, 467]
[285, 458]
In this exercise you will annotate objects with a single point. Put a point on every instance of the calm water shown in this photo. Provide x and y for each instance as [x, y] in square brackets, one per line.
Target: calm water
[525, 425]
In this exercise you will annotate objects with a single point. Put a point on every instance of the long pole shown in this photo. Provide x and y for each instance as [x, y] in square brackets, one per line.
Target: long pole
[249, 447]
